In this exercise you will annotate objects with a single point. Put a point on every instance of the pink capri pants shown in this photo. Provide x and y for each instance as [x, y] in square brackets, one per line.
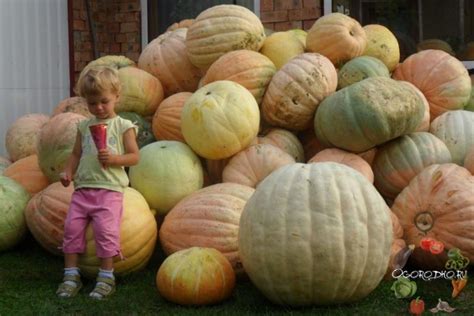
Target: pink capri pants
[104, 209]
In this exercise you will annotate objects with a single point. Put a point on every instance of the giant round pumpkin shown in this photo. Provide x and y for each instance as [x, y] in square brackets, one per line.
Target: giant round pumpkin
[221, 29]
[400, 160]
[195, 276]
[45, 215]
[368, 113]
[297, 89]
[280, 47]
[382, 44]
[27, 172]
[438, 203]
[360, 68]
[220, 119]
[315, 234]
[336, 36]
[207, 218]
[13, 200]
[166, 58]
[456, 130]
[440, 77]
[20, 140]
[138, 233]
[250, 69]
[166, 123]
[55, 143]
[425, 122]
[167, 172]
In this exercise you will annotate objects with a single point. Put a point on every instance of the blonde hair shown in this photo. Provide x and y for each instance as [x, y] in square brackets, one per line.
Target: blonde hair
[96, 80]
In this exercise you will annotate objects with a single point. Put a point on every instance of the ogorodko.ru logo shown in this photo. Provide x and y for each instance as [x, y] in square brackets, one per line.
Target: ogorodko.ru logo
[429, 275]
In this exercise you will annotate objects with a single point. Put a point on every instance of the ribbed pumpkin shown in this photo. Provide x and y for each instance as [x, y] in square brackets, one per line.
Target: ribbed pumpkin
[360, 68]
[382, 44]
[220, 119]
[116, 61]
[250, 69]
[4, 163]
[297, 89]
[195, 276]
[141, 92]
[438, 203]
[336, 36]
[13, 200]
[440, 77]
[368, 113]
[166, 122]
[45, 215]
[253, 164]
[425, 122]
[221, 29]
[167, 172]
[469, 161]
[346, 158]
[185, 23]
[285, 140]
[76, 105]
[327, 244]
[27, 172]
[138, 234]
[166, 58]
[20, 140]
[207, 218]
[400, 160]
[55, 142]
[455, 129]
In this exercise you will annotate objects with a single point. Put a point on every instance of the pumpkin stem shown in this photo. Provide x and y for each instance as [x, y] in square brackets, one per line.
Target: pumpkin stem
[424, 221]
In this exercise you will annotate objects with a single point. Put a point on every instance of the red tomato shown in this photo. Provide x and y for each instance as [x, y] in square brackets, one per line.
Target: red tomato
[436, 247]
[426, 242]
[417, 306]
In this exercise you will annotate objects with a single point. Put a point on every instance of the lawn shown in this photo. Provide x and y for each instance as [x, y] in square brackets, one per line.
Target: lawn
[29, 276]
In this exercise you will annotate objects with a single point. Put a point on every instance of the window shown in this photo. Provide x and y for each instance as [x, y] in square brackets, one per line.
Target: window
[419, 24]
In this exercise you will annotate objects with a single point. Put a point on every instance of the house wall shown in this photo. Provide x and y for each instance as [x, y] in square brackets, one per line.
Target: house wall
[282, 15]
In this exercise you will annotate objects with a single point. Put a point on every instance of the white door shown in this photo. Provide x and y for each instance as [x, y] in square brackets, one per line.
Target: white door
[34, 60]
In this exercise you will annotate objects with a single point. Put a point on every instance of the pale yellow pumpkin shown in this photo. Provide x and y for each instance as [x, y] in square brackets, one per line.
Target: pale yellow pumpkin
[221, 29]
[336, 36]
[220, 119]
[382, 44]
[280, 47]
[315, 234]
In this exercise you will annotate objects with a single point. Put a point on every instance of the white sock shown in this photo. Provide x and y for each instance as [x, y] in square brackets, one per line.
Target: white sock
[71, 271]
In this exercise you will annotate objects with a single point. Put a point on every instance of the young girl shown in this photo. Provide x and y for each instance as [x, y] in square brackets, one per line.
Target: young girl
[99, 181]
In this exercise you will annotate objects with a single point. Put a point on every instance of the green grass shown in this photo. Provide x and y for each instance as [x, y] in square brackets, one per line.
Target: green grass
[29, 276]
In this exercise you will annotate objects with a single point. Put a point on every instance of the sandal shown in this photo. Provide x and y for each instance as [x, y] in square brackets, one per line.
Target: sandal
[103, 288]
[66, 290]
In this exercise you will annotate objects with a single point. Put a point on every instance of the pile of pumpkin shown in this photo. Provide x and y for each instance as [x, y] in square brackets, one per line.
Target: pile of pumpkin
[306, 161]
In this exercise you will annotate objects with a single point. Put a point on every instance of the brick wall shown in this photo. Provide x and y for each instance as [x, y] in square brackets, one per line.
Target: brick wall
[282, 15]
[116, 24]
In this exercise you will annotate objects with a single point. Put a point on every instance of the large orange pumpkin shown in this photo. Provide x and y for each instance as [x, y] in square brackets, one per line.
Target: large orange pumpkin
[207, 218]
[336, 36]
[250, 69]
[27, 172]
[45, 215]
[166, 123]
[438, 203]
[166, 58]
[440, 77]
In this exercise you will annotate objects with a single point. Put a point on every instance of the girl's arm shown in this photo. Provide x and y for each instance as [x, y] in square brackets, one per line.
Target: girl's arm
[71, 165]
[131, 155]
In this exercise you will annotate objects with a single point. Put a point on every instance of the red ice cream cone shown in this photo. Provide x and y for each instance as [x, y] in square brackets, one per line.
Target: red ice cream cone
[99, 135]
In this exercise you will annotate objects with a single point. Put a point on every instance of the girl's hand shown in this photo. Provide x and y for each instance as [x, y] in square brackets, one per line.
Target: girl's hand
[65, 179]
[105, 158]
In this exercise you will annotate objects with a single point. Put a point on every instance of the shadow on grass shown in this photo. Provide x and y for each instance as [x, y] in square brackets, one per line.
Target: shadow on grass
[29, 277]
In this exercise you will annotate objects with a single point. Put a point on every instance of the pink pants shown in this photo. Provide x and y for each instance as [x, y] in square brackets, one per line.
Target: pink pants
[104, 209]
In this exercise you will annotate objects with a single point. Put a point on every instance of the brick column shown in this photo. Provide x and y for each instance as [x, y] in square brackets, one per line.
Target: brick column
[282, 15]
